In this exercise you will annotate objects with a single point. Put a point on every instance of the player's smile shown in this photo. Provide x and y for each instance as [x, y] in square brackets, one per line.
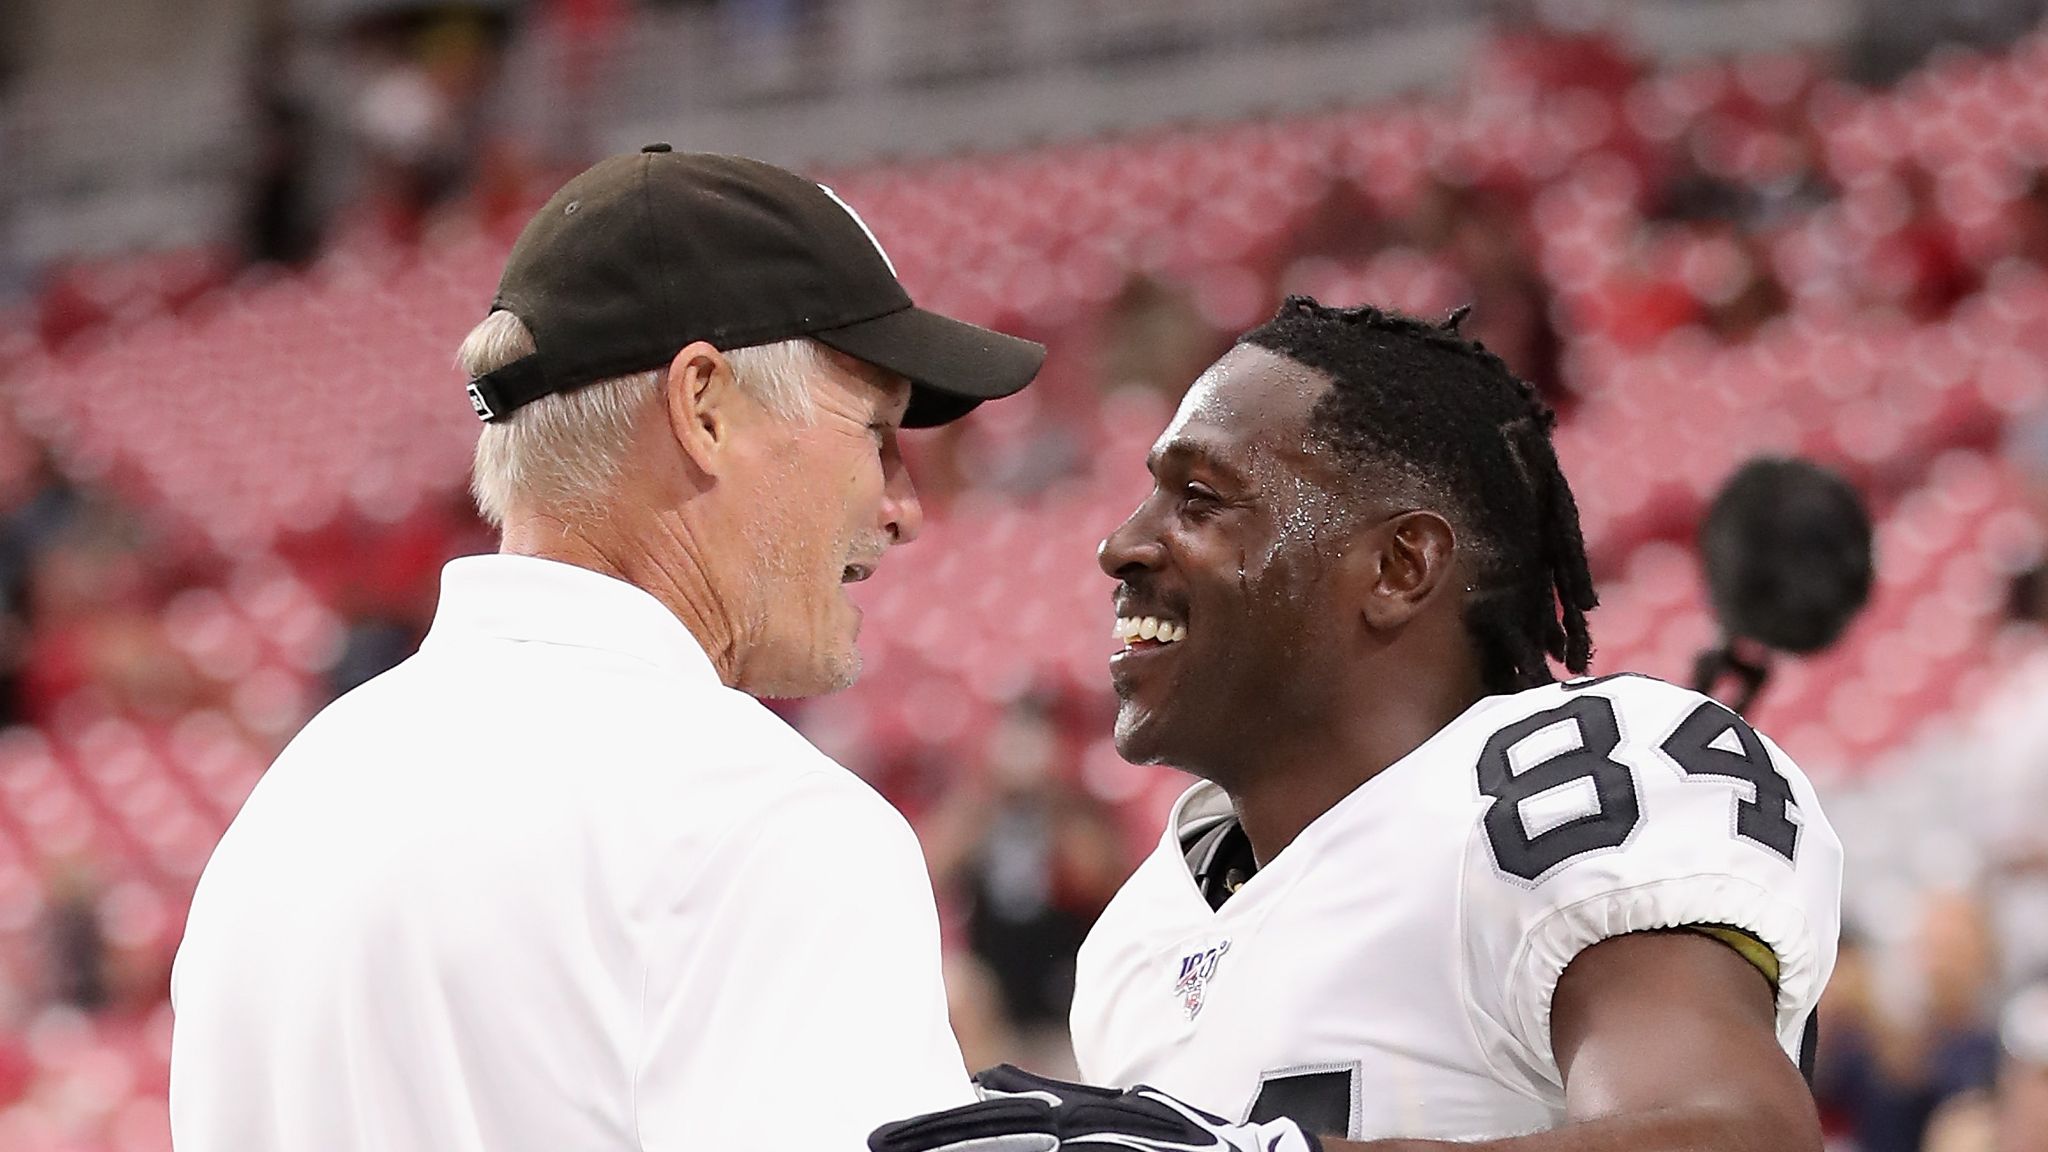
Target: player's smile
[1146, 633]
[1139, 651]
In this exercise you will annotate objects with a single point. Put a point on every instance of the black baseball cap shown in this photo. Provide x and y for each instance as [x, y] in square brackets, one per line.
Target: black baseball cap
[645, 253]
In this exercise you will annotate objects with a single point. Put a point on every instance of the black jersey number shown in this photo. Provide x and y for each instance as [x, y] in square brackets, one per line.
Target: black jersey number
[1322, 1099]
[1714, 741]
[1516, 850]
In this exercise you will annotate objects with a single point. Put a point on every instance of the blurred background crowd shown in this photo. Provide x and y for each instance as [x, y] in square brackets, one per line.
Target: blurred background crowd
[239, 240]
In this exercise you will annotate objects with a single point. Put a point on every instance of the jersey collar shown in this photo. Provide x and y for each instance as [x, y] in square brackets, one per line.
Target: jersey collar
[525, 598]
[1205, 805]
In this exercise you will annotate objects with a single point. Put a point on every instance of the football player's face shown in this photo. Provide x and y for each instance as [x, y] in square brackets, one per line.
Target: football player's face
[1234, 556]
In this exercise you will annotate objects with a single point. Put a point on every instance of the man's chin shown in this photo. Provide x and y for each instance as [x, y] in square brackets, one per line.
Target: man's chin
[837, 672]
[1138, 734]
[832, 673]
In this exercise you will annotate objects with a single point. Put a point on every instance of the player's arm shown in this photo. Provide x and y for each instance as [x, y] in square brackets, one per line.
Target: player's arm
[1667, 1042]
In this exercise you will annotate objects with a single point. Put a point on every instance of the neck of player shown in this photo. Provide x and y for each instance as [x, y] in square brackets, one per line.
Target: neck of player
[1301, 774]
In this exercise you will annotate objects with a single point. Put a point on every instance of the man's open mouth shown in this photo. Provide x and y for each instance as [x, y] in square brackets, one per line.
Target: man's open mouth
[855, 573]
[1143, 633]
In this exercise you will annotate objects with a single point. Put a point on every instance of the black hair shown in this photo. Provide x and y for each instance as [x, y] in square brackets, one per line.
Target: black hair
[1786, 545]
[1445, 421]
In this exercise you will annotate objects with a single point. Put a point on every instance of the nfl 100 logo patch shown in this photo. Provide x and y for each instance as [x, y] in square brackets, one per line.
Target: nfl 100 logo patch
[1196, 969]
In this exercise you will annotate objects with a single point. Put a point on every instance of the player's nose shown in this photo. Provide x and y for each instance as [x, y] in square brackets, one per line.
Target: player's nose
[1130, 549]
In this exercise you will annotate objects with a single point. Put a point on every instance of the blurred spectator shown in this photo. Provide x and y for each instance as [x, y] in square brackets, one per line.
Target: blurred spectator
[1884, 1077]
[1920, 267]
[1510, 304]
[36, 503]
[2014, 1117]
[1034, 860]
[282, 223]
[1741, 291]
[1154, 337]
[1854, 1034]
[384, 578]
[2005, 739]
[421, 112]
[1756, 162]
[95, 640]
[2031, 221]
[75, 947]
[2008, 789]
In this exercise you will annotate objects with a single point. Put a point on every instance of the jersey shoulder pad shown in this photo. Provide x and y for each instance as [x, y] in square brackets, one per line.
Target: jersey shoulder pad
[1622, 804]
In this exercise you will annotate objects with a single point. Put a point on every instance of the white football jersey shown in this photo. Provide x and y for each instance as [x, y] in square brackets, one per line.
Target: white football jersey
[1390, 973]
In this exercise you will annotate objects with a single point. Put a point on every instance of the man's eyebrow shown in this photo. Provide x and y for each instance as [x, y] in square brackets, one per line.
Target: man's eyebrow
[1183, 450]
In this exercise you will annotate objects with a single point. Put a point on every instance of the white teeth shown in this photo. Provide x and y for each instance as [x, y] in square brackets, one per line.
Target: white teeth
[1130, 629]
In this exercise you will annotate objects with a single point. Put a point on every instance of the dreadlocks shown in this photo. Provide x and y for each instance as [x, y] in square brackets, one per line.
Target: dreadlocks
[1448, 424]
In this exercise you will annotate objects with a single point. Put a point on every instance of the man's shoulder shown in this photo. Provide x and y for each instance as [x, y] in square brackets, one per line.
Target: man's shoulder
[1642, 715]
[797, 795]
[632, 738]
[1628, 692]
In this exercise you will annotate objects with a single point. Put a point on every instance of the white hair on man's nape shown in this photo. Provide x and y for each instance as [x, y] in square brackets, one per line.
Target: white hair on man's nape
[564, 451]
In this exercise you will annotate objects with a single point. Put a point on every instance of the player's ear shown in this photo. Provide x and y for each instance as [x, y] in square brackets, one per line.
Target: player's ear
[704, 405]
[1407, 557]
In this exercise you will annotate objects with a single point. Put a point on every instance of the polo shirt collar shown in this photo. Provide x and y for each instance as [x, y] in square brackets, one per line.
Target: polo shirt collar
[526, 598]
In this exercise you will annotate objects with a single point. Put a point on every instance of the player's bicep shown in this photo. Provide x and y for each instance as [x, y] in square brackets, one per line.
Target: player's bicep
[1658, 1021]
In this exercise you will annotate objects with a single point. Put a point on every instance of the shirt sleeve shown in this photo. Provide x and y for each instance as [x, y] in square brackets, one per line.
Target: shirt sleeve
[800, 1003]
[1704, 849]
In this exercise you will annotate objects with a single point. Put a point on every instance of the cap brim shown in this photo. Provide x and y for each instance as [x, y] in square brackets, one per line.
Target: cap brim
[952, 365]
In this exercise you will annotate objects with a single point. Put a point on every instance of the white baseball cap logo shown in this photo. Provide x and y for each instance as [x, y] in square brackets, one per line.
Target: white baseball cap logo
[865, 230]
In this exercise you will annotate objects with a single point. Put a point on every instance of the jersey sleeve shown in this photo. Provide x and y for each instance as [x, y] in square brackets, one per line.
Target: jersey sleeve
[818, 1010]
[1627, 806]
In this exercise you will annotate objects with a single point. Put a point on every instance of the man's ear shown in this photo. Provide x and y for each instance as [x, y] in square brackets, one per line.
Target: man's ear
[703, 402]
[1403, 561]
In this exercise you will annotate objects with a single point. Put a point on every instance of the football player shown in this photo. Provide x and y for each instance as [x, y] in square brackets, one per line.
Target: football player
[1424, 892]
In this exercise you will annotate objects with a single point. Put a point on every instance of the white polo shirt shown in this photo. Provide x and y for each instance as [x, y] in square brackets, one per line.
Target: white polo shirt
[549, 886]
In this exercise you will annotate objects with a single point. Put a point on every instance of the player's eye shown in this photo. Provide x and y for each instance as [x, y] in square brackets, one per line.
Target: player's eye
[1198, 500]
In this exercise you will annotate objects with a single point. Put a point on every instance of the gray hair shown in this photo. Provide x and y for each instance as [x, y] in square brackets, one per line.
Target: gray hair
[563, 451]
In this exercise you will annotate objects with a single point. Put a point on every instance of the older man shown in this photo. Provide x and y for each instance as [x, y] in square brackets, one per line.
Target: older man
[558, 881]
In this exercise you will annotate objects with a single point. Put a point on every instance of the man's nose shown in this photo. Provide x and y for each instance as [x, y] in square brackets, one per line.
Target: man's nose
[1131, 548]
[902, 511]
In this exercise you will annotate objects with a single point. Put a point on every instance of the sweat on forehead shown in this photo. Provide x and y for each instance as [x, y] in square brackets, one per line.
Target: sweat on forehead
[1243, 400]
[1255, 413]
